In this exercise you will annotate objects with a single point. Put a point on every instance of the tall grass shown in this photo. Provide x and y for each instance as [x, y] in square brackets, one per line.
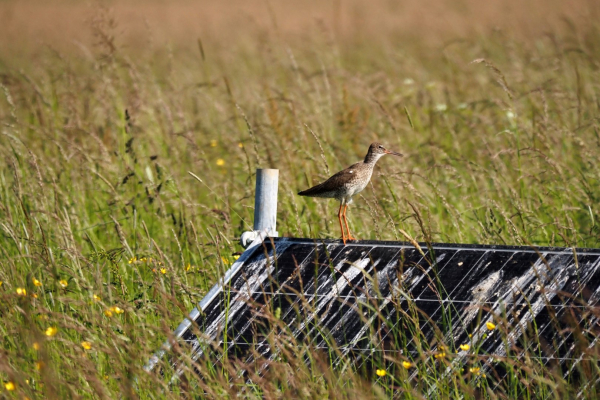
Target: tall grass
[98, 213]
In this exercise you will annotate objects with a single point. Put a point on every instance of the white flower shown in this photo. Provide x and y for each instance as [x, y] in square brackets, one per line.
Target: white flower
[408, 81]
[441, 107]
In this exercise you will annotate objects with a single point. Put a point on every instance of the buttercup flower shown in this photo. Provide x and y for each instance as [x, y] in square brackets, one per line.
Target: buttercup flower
[490, 325]
[116, 310]
[163, 271]
[21, 291]
[51, 331]
[220, 162]
[36, 282]
[381, 372]
[406, 364]
[97, 298]
[464, 347]
[10, 386]
[441, 352]
[63, 283]
[86, 345]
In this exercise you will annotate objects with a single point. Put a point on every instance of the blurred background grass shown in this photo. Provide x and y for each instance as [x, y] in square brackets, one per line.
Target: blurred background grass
[105, 107]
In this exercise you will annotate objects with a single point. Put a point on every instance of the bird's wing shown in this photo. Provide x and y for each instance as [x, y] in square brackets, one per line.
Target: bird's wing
[333, 183]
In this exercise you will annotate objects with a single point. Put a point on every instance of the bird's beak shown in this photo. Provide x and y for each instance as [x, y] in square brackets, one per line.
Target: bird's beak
[393, 153]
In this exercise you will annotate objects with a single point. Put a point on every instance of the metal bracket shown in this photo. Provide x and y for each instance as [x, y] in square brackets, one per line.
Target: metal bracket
[250, 236]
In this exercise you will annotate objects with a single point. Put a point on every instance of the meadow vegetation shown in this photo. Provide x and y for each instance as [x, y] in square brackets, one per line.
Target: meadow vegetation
[106, 241]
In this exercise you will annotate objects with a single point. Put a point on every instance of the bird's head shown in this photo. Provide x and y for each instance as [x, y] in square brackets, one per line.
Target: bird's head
[377, 150]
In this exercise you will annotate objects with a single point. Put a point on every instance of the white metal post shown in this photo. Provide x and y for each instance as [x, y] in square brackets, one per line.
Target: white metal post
[265, 205]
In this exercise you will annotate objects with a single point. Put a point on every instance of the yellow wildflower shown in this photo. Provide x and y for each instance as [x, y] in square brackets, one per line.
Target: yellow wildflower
[132, 260]
[474, 370]
[10, 386]
[117, 310]
[213, 143]
[39, 365]
[163, 271]
[97, 298]
[34, 295]
[490, 325]
[236, 256]
[240, 145]
[1, 283]
[406, 364]
[108, 313]
[441, 352]
[86, 345]
[36, 346]
[220, 162]
[381, 372]
[465, 347]
[51, 331]
[36, 282]
[63, 283]
[21, 291]
[188, 267]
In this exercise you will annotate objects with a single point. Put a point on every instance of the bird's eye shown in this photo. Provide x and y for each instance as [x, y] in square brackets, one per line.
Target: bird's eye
[380, 146]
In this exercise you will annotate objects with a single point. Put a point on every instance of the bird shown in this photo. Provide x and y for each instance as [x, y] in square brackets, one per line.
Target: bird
[348, 182]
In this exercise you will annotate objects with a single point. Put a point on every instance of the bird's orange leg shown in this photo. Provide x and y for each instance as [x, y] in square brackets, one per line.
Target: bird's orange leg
[341, 226]
[347, 227]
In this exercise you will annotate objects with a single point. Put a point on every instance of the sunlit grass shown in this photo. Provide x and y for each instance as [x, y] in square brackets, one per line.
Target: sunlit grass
[106, 241]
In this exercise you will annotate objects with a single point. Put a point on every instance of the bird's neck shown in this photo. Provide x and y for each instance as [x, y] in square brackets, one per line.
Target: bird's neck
[371, 158]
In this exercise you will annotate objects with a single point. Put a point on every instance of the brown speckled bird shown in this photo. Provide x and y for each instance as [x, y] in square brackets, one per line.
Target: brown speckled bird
[348, 182]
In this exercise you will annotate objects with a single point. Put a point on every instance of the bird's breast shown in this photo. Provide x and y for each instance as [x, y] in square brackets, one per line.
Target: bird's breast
[357, 183]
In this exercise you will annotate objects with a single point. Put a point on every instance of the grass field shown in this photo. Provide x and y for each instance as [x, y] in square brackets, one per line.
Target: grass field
[106, 241]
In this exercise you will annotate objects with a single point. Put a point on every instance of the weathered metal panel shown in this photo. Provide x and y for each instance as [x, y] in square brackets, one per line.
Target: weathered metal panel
[356, 295]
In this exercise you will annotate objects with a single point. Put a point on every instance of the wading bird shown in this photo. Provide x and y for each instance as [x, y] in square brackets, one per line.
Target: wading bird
[348, 182]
